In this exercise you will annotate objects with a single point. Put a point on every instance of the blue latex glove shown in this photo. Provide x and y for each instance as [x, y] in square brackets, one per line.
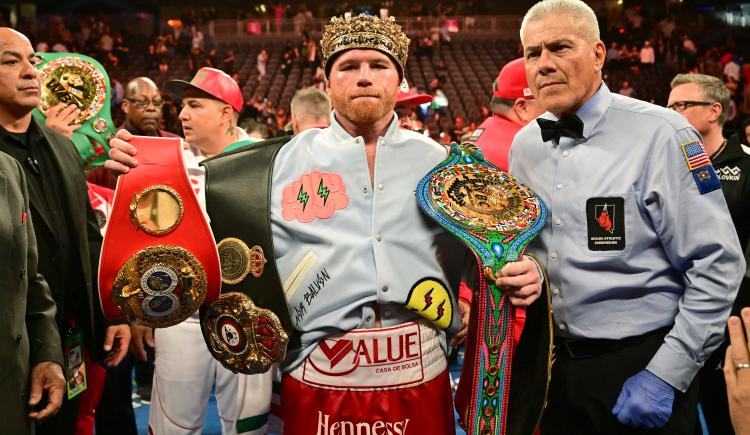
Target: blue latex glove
[645, 401]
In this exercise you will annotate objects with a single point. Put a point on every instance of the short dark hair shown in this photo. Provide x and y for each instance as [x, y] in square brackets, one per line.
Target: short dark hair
[501, 106]
[251, 125]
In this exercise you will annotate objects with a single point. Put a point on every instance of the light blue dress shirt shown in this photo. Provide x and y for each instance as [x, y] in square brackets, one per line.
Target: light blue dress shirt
[375, 249]
[680, 262]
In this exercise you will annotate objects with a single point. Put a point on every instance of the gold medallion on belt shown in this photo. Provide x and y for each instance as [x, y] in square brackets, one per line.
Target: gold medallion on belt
[243, 337]
[160, 286]
[237, 260]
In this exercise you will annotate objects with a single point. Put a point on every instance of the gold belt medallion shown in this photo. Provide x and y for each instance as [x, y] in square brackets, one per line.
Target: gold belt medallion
[245, 338]
[72, 80]
[160, 286]
[237, 260]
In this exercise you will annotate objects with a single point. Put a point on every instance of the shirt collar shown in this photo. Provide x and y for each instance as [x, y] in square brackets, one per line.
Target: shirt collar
[592, 111]
[341, 134]
[33, 133]
[732, 151]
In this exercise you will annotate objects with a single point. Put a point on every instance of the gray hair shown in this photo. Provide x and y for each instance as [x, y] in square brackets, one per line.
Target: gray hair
[310, 104]
[714, 90]
[583, 16]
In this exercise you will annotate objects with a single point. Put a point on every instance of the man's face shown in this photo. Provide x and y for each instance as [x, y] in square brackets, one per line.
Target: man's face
[201, 119]
[143, 109]
[19, 80]
[700, 116]
[363, 86]
[562, 68]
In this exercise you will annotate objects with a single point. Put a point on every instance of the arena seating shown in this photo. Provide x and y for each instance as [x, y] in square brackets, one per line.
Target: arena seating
[472, 63]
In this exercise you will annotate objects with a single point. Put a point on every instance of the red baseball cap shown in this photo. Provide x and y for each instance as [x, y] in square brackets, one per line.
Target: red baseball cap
[212, 81]
[511, 82]
[407, 97]
[412, 99]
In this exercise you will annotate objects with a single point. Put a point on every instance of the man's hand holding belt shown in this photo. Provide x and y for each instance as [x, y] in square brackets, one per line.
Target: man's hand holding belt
[521, 281]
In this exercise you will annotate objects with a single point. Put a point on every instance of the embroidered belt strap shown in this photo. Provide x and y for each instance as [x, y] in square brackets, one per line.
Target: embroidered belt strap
[238, 201]
[159, 260]
[496, 216]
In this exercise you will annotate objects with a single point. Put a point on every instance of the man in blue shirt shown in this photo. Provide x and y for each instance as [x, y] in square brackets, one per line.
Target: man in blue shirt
[642, 257]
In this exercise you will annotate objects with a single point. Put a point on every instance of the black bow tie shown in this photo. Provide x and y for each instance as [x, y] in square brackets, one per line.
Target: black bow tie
[571, 126]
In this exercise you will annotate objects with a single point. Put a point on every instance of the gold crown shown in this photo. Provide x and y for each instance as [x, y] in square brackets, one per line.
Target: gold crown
[364, 31]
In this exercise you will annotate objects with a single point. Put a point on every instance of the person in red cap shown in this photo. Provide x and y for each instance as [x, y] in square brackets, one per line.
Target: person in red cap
[184, 370]
[406, 106]
[512, 106]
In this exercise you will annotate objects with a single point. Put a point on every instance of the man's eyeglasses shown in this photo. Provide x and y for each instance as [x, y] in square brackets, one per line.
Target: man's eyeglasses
[142, 104]
[681, 106]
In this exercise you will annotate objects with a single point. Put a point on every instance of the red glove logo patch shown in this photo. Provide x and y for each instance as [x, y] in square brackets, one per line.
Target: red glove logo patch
[315, 195]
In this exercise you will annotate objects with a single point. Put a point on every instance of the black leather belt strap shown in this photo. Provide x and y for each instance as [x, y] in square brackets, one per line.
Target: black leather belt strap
[238, 201]
[586, 348]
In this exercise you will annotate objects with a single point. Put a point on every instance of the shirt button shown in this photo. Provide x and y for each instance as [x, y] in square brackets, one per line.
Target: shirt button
[380, 186]
[365, 190]
[385, 288]
[566, 153]
[553, 254]
[387, 313]
[377, 237]
[563, 327]
[555, 291]
[356, 140]
[368, 319]
[558, 221]
[559, 186]
[382, 141]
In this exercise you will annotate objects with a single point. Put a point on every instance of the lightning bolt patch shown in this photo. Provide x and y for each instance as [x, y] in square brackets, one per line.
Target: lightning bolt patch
[314, 195]
[440, 310]
[323, 192]
[302, 197]
[430, 298]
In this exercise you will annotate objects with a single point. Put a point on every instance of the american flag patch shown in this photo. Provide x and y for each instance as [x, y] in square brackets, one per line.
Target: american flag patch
[695, 155]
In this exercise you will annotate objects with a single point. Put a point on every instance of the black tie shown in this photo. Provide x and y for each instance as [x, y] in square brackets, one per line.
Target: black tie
[571, 126]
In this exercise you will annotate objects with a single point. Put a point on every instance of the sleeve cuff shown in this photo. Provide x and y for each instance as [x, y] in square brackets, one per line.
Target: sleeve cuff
[673, 368]
[538, 266]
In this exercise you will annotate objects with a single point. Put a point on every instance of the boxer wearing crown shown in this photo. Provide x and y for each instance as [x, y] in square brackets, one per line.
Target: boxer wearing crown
[366, 280]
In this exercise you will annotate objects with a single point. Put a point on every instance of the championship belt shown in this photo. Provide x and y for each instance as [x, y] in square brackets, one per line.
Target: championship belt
[72, 78]
[248, 328]
[244, 338]
[496, 216]
[159, 261]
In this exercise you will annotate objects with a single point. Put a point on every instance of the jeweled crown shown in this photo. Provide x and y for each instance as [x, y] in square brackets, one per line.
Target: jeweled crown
[364, 31]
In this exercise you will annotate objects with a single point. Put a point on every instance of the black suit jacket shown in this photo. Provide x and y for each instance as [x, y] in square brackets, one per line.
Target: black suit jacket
[84, 236]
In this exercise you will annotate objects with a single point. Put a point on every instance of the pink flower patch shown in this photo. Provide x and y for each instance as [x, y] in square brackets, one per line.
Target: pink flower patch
[315, 195]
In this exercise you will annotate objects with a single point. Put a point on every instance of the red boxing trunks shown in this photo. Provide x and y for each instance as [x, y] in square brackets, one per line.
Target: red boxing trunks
[390, 381]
